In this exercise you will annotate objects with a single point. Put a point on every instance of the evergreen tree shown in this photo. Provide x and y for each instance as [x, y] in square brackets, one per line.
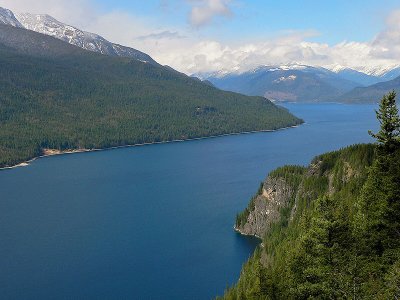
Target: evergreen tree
[342, 240]
[379, 215]
[388, 116]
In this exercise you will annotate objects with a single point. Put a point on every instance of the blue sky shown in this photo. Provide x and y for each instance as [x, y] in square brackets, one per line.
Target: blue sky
[237, 35]
[335, 21]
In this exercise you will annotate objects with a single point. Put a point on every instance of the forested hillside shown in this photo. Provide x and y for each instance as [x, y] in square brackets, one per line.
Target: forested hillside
[337, 230]
[371, 93]
[55, 95]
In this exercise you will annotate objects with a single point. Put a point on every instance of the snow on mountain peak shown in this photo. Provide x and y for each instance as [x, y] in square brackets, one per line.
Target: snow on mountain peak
[283, 79]
[283, 67]
[7, 17]
[336, 68]
[48, 25]
[378, 71]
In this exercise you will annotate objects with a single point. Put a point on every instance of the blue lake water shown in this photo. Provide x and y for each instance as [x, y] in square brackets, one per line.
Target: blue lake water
[150, 222]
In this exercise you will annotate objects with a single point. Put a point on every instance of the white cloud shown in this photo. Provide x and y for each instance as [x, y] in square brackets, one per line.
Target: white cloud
[204, 11]
[189, 51]
[120, 27]
[204, 55]
[387, 43]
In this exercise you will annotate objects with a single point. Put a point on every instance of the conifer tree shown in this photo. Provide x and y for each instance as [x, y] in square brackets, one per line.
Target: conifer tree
[388, 116]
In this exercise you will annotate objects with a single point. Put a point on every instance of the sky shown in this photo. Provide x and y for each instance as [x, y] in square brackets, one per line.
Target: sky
[236, 35]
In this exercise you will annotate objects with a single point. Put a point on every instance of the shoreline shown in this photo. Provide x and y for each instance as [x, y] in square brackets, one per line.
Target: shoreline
[55, 152]
[246, 234]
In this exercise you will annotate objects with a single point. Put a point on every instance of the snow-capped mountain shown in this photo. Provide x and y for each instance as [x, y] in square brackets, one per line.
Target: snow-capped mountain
[216, 74]
[377, 71]
[223, 73]
[7, 17]
[48, 25]
[294, 82]
[359, 77]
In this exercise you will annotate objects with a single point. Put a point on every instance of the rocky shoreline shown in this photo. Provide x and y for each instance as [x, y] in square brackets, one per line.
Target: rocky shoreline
[264, 209]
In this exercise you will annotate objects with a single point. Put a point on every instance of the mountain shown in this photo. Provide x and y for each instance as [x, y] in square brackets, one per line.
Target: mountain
[54, 95]
[367, 75]
[371, 94]
[46, 24]
[374, 71]
[392, 74]
[297, 83]
[361, 78]
[7, 17]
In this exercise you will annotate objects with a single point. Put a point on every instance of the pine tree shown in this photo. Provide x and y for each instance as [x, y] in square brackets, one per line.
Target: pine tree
[379, 214]
[388, 116]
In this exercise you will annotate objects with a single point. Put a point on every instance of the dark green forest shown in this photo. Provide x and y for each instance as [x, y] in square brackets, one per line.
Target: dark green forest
[55, 95]
[339, 236]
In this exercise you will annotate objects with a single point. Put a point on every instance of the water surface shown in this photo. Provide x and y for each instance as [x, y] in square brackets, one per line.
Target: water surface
[151, 222]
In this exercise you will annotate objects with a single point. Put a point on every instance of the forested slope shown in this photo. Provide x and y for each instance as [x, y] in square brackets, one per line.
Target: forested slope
[55, 95]
[331, 230]
[370, 94]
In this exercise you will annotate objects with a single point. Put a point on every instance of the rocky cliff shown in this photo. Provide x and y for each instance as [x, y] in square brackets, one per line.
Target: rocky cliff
[311, 222]
[264, 209]
[290, 188]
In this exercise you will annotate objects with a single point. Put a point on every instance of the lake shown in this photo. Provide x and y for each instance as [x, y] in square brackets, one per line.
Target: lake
[150, 222]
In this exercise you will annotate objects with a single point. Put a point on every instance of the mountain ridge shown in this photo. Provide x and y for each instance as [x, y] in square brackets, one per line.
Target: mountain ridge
[372, 93]
[298, 83]
[7, 17]
[46, 24]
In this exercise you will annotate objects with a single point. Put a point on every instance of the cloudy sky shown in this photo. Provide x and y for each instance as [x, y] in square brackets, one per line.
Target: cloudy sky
[211, 35]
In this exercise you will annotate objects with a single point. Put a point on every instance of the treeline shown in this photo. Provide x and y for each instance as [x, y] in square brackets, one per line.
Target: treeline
[86, 100]
[342, 240]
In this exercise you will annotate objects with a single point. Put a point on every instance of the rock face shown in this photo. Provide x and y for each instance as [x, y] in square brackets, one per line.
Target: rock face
[289, 189]
[265, 209]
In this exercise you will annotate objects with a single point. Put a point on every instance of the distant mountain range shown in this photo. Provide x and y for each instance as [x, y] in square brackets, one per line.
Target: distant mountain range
[360, 78]
[294, 82]
[46, 24]
[285, 83]
[301, 83]
[384, 72]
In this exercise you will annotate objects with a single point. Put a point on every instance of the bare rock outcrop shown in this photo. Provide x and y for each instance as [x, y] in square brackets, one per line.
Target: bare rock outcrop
[265, 207]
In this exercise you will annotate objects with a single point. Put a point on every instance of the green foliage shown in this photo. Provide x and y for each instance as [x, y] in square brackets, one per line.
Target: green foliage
[323, 251]
[85, 100]
[291, 174]
[392, 282]
[343, 241]
[249, 285]
[388, 136]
